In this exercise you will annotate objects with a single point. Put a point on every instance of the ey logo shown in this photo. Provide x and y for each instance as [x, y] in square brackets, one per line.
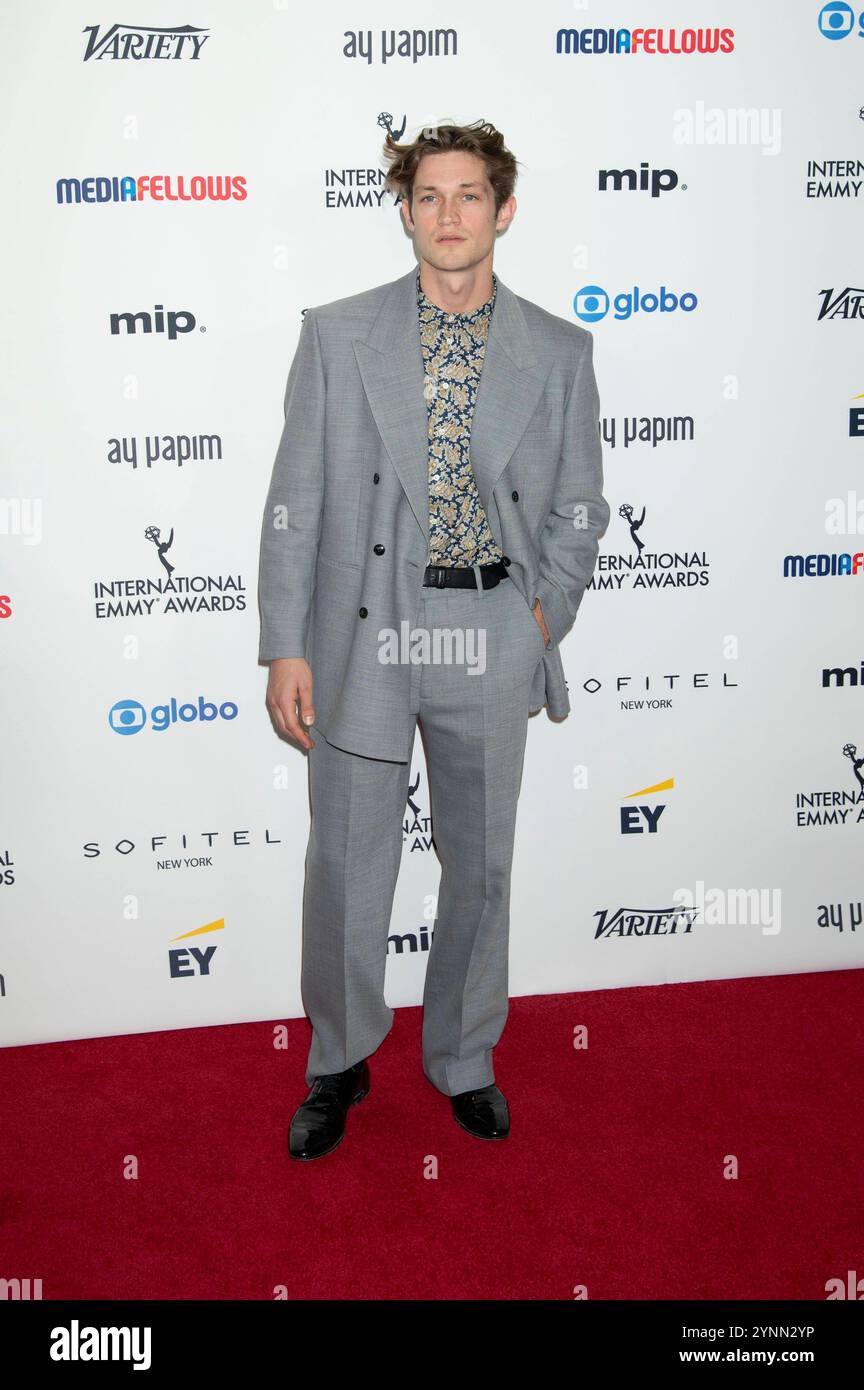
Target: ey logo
[190, 960]
[643, 820]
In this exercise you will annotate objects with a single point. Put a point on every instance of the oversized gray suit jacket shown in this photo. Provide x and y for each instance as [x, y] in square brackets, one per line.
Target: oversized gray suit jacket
[351, 474]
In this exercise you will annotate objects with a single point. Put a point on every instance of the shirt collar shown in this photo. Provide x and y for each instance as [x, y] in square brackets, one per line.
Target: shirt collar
[432, 311]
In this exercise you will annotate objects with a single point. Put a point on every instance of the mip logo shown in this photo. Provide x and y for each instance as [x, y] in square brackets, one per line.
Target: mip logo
[173, 323]
[646, 180]
[837, 20]
[592, 303]
[130, 716]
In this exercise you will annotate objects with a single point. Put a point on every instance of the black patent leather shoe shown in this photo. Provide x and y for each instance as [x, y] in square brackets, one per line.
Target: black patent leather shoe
[318, 1127]
[483, 1113]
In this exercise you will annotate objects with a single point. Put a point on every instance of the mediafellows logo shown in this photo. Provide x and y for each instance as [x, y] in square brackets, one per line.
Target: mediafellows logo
[152, 188]
[617, 43]
[592, 303]
[822, 565]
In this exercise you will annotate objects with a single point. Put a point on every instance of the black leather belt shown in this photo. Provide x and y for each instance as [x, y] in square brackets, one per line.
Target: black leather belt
[462, 576]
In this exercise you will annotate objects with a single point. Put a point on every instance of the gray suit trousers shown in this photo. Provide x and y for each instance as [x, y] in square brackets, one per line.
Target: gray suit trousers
[473, 713]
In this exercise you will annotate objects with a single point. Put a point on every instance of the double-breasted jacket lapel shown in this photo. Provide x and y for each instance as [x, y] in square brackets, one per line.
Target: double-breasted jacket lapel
[390, 361]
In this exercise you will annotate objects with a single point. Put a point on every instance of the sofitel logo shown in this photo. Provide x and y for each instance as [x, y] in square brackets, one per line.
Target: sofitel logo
[211, 840]
[622, 685]
[144, 41]
[648, 569]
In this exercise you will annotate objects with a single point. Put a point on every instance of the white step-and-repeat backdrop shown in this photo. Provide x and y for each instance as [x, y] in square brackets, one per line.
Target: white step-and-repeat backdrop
[177, 191]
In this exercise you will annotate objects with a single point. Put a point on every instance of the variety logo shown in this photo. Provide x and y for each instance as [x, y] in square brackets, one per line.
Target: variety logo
[591, 303]
[652, 42]
[141, 42]
[139, 597]
[648, 569]
[625, 922]
[152, 188]
[645, 180]
[130, 716]
[837, 21]
[846, 304]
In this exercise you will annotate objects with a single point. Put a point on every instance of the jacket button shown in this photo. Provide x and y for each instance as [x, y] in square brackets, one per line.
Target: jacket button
[375, 478]
[364, 612]
[515, 496]
[379, 548]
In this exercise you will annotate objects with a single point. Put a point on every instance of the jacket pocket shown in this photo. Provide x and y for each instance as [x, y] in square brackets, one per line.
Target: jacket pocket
[339, 564]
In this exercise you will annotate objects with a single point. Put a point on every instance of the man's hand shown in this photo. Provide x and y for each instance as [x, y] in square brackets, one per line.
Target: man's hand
[538, 614]
[290, 685]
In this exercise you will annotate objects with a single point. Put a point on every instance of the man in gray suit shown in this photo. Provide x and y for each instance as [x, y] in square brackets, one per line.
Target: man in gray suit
[430, 528]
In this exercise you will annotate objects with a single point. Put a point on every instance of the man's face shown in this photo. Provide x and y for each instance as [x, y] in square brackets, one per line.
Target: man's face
[453, 220]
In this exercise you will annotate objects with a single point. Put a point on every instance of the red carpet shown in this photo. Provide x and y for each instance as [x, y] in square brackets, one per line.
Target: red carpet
[612, 1177]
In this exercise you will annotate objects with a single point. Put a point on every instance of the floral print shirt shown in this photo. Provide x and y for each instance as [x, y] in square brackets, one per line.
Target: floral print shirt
[454, 346]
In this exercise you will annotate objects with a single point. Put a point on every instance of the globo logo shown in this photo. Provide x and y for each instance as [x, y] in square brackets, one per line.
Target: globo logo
[592, 303]
[130, 716]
